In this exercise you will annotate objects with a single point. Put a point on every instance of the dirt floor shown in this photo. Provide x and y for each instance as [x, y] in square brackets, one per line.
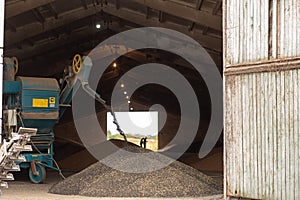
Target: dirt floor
[22, 189]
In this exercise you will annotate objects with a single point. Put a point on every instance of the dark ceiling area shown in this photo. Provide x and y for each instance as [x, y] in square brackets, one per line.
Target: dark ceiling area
[45, 34]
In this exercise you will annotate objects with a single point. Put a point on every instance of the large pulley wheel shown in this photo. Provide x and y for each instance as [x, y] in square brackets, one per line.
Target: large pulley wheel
[77, 63]
[16, 64]
[40, 174]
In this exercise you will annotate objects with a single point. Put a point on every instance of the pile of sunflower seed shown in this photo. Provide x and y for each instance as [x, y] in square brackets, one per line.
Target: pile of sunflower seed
[123, 178]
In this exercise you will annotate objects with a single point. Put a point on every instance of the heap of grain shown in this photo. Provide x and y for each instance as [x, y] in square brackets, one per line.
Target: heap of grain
[176, 180]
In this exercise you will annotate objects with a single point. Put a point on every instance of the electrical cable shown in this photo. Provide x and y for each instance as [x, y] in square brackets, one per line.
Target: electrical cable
[56, 164]
[42, 154]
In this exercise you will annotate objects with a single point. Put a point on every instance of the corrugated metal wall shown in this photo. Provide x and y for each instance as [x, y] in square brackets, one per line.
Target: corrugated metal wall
[262, 99]
[289, 25]
[261, 30]
[246, 35]
[262, 135]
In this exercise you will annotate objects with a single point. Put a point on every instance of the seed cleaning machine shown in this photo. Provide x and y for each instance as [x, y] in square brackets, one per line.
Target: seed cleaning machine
[36, 105]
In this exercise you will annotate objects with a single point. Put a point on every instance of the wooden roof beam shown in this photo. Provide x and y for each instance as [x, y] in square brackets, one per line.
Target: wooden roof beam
[37, 14]
[61, 42]
[24, 6]
[117, 4]
[84, 4]
[206, 41]
[34, 29]
[217, 8]
[53, 10]
[187, 13]
[199, 4]
[31, 30]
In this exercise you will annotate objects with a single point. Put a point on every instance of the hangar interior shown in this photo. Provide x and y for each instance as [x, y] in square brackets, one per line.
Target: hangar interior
[44, 35]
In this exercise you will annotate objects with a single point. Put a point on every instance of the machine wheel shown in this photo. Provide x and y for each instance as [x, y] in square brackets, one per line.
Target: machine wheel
[16, 64]
[41, 174]
[77, 64]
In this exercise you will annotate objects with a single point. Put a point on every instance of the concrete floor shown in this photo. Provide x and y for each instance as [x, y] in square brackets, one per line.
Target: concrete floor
[22, 189]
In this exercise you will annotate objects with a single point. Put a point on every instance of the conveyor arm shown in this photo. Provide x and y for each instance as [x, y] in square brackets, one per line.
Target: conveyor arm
[79, 78]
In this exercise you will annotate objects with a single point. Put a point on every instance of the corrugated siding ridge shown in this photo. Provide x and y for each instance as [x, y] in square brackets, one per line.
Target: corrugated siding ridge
[267, 66]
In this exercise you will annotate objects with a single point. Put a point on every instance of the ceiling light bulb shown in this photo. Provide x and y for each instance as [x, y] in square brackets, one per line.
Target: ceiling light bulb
[125, 92]
[122, 85]
[115, 65]
[98, 26]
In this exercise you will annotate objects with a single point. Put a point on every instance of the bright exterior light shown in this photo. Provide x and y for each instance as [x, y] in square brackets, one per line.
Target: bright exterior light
[98, 26]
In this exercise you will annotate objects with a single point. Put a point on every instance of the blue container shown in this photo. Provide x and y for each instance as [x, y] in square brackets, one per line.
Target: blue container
[11, 87]
[39, 100]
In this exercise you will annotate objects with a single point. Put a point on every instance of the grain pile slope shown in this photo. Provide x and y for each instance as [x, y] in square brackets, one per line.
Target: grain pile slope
[176, 180]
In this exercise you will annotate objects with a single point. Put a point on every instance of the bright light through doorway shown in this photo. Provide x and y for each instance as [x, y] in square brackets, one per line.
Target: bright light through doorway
[137, 126]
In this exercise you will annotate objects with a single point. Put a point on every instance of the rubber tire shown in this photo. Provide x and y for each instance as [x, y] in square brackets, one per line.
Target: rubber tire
[41, 177]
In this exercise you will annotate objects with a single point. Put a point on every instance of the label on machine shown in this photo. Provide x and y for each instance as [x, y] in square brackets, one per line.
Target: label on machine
[52, 102]
[40, 103]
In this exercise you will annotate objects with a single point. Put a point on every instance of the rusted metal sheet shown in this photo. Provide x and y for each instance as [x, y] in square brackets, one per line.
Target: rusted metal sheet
[44, 115]
[288, 28]
[247, 31]
[262, 138]
[48, 84]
